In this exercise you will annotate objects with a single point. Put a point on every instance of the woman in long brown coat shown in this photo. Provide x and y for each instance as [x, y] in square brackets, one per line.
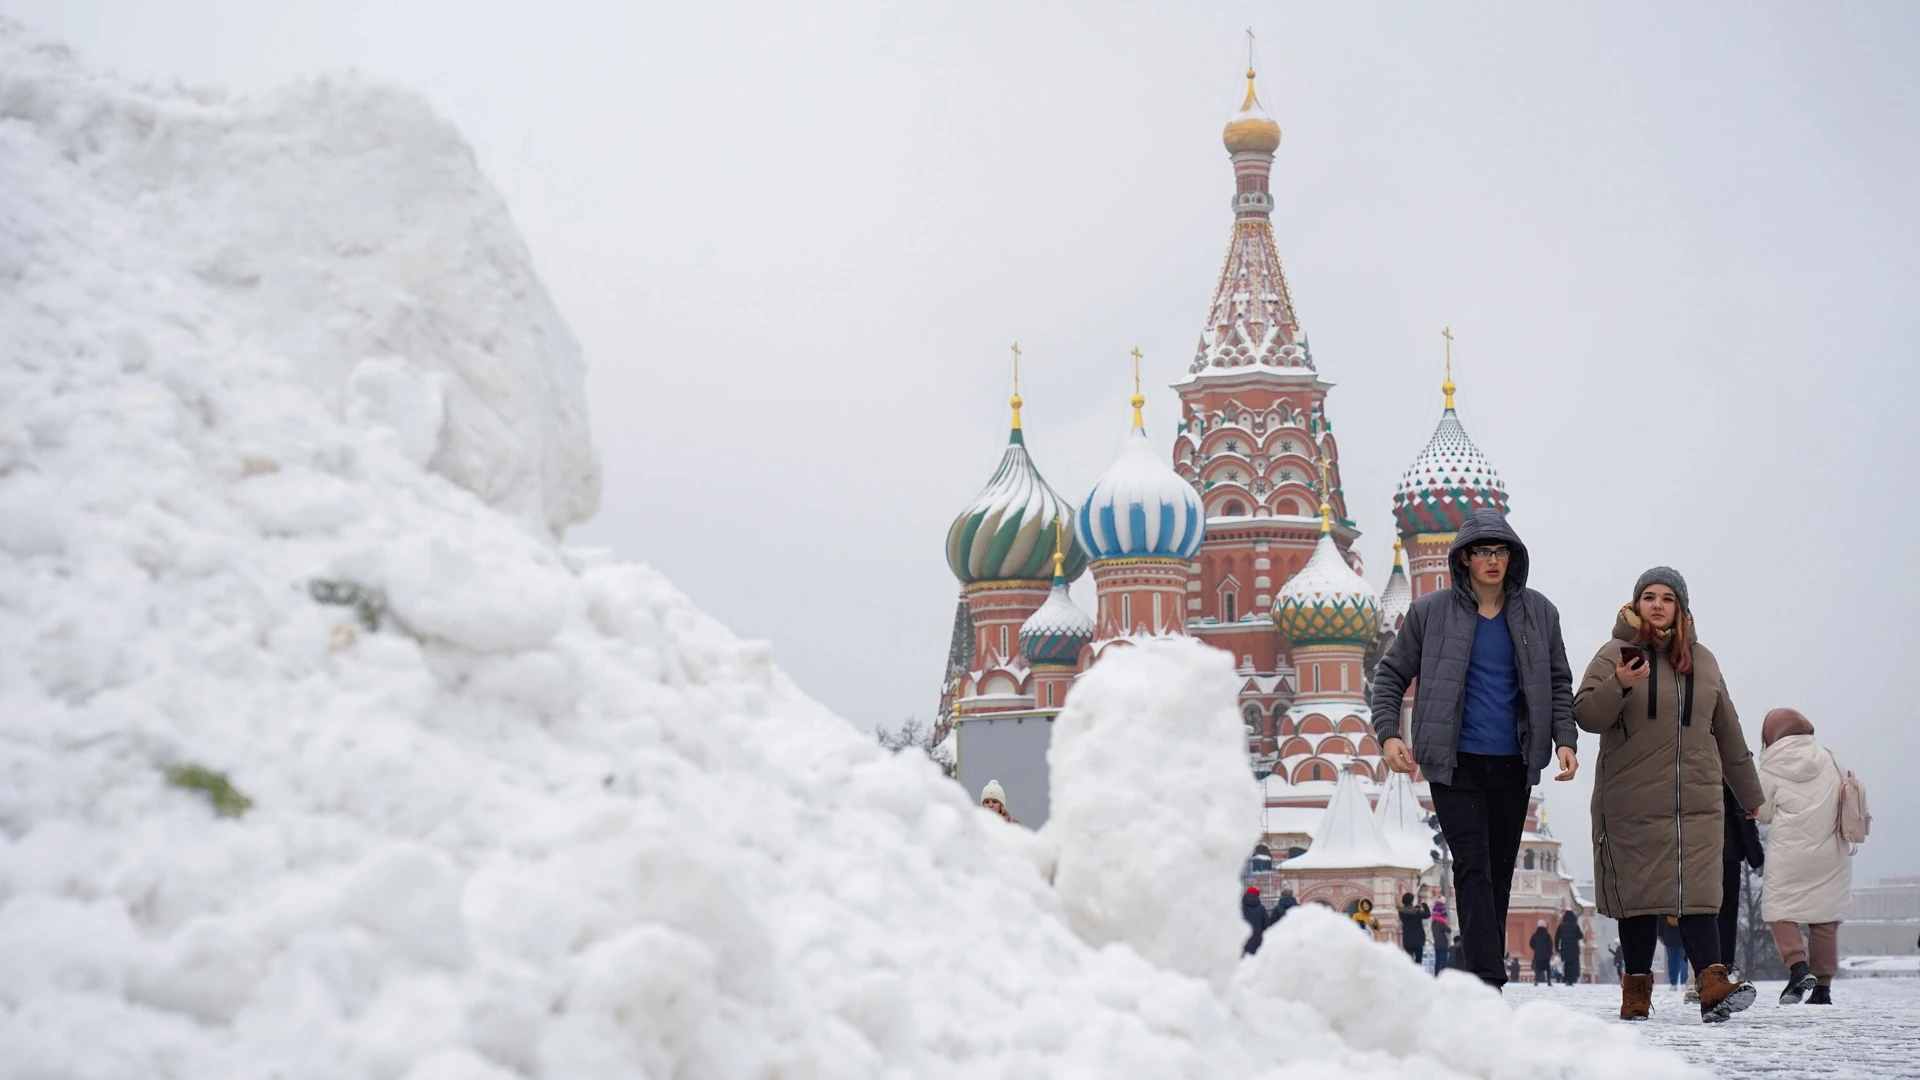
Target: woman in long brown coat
[1668, 738]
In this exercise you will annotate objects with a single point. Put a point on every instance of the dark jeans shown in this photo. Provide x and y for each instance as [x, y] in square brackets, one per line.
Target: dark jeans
[1482, 814]
[1639, 934]
[1730, 878]
[1415, 947]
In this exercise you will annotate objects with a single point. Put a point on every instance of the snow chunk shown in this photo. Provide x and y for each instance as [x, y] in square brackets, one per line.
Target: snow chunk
[1154, 808]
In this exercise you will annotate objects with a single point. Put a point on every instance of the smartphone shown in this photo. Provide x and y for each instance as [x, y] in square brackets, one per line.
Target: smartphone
[1633, 655]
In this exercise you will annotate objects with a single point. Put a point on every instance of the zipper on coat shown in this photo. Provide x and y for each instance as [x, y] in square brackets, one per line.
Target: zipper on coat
[1679, 829]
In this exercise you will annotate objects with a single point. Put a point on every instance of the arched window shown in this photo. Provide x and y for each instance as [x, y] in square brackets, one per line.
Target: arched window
[1234, 508]
[1003, 641]
[1316, 773]
[1126, 614]
[1251, 714]
[1527, 863]
[1228, 608]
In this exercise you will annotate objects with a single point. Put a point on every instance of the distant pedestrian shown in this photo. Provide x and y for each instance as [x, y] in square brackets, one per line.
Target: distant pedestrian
[1413, 927]
[994, 798]
[1495, 707]
[1513, 969]
[1619, 962]
[1676, 946]
[1442, 934]
[1739, 849]
[1669, 737]
[1285, 904]
[1255, 913]
[1809, 875]
[1542, 945]
[1363, 917]
[1568, 938]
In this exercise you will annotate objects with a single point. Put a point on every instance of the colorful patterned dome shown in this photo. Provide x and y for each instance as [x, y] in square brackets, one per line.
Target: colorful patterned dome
[1055, 633]
[1141, 508]
[1007, 533]
[1326, 603]
[1397, 598]
[1447, 482]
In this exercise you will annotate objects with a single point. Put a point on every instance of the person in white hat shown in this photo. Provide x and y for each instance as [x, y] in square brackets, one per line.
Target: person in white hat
[994, 798]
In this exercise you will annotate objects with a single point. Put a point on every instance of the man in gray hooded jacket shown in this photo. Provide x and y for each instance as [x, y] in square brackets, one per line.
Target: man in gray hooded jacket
[1494, 706]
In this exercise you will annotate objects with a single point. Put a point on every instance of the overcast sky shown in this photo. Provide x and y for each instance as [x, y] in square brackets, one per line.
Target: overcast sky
[1678, 246]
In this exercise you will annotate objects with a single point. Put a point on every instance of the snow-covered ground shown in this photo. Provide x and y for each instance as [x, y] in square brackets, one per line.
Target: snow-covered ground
[525, 811]
[1872, 1030]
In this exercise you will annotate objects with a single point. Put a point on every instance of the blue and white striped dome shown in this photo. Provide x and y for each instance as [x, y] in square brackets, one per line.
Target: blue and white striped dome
[1141, 508]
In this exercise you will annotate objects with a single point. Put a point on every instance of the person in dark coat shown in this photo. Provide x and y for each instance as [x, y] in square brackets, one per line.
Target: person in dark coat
[1286, 903]
[1495, 707]
[1413, 927]
[1741, 848]
[1568, 937]
[1542, 945]
[1513, 969]
[1255, 912]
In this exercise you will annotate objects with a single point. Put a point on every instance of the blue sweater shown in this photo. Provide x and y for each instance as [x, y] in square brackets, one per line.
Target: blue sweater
[1490, 713]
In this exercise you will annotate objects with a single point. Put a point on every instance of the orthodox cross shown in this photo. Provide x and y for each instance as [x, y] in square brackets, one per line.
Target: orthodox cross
[1447, 387]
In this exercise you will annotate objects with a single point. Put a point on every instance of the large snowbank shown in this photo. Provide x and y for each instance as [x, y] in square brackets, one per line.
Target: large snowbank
[548, 819]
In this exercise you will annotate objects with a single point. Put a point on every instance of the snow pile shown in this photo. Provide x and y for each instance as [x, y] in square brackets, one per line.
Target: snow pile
[1154, 809]
[517, 809]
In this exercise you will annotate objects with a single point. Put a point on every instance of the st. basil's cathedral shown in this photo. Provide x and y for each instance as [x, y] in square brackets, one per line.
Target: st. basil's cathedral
[1243, 540]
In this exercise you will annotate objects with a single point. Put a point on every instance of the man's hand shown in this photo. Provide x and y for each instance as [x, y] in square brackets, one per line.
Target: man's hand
[1399, 758]
[1569, 763]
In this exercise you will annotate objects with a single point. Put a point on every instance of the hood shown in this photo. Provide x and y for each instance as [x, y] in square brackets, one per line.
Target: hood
[1797, 758]
[1487, 524]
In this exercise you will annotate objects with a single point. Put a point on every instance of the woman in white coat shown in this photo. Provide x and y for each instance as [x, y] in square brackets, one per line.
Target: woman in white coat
[1809, 872]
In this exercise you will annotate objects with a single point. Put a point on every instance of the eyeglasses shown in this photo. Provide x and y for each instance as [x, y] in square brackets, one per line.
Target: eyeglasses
[1494, 554]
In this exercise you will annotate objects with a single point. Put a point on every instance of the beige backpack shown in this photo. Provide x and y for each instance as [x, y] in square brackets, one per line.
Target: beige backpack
[1855, 820]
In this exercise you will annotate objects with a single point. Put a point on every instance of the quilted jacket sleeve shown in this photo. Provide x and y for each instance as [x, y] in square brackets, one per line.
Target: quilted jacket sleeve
[1395, 672]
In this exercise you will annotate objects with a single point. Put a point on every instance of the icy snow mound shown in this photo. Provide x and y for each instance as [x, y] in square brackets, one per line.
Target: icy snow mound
[1154, 809]
[340, 228]
[547, 819]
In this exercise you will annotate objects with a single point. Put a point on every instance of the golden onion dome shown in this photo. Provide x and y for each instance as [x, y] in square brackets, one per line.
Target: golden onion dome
[1251, 129]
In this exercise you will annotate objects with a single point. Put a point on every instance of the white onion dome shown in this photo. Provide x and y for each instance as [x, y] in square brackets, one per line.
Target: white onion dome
[1055, 633]
[1007, 533]
[1326, 603]
[1141, 508]
[1448, 481]
[1397, 598]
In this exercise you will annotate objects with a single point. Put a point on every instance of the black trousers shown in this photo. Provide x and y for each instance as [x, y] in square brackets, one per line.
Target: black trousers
[1730, 878]
[1482, 813]
[1640, 933]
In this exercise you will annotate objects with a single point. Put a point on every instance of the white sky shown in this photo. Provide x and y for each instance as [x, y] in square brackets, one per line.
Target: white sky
[1678, 246]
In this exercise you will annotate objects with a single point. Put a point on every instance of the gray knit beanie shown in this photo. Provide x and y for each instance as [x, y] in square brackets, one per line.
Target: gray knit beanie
[1664, 575]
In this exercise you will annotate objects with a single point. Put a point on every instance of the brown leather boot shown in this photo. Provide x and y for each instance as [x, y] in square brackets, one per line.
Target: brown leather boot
[1720, 996]
[1636, 997]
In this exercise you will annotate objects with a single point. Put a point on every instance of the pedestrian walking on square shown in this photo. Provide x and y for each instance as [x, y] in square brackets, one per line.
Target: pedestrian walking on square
[1669, 739]
[1513, 969]
[1363, 917]
[1442, 935]
[1285, 904]
[994, 797]
[1568, 938]
[1739, 849]
[1413, 927]
[1676, 949]
[1619, 963]
[1495, 706]
[1255, 913]
[1809, 874]
[1542, 945]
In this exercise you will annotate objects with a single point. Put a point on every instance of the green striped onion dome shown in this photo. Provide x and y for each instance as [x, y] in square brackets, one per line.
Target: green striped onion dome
[1007, 532]
[1326, 603]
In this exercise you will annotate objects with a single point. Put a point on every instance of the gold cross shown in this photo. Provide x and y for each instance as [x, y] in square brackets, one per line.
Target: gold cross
[1016, 369]
[1447, 387]
[1136, 369]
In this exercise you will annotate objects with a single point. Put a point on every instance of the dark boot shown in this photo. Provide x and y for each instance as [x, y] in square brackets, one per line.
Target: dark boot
[1721, 997]
[1636, 997]
[1799, 981]
[1820, 996]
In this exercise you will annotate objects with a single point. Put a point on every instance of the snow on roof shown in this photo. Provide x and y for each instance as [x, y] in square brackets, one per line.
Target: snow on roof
[1403, 822]
[1348, 837]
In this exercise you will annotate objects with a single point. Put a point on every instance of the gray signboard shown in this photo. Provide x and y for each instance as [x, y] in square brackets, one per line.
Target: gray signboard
[1012, 749]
